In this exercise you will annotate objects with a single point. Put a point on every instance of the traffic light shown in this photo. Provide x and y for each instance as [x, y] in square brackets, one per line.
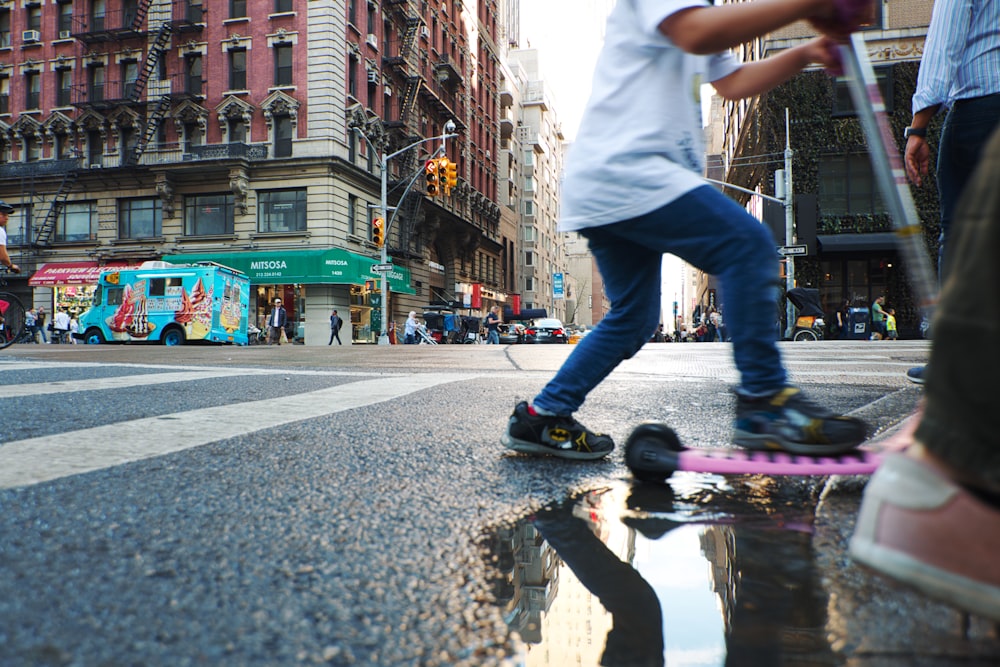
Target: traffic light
[433, 181]
[378, 232]
[450, 175]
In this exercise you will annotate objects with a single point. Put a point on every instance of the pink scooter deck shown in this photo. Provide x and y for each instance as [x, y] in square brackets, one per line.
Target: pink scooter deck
[653, 452]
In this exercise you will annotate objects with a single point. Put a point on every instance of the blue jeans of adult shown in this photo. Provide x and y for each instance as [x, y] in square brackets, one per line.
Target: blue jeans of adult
[966, 130]
[710, 231]
[492, 337]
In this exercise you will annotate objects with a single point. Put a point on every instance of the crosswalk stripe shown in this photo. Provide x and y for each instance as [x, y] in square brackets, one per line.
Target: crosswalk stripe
[35, 460]
[120, 382]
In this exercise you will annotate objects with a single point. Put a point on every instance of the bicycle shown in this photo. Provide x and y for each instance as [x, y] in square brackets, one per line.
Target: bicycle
[12, 317]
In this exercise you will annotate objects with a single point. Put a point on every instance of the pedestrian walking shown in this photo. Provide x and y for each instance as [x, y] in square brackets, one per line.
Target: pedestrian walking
[633, 187]
[276, 322]
[42, 317]
[959, 72]
[31, 324]
[492, 326]
[930, 517]
[878, 319]
[335, 323]
[891, 333]
[60, 326]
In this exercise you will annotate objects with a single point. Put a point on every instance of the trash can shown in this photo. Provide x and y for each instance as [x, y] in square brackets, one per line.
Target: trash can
[859, 324]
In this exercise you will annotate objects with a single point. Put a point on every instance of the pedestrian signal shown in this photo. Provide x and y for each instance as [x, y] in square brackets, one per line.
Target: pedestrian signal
[432, 176]
[378, 232]
[450, 175]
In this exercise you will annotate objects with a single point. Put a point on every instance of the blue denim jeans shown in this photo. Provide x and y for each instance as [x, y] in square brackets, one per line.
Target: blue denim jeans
[710, 231]
[966, 130]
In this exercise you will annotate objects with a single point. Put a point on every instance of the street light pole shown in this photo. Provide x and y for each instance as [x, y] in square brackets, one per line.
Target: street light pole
[383, 209]
[789, 228]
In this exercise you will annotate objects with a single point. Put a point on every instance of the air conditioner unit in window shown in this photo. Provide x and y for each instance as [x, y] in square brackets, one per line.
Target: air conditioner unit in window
[31, 36]
[372, 39]
[372, 76]
[64, 34]
[96, 165]
[425, 32]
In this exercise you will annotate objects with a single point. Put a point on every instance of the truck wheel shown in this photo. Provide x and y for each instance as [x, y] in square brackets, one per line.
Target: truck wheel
[172, 336]
[93, 336]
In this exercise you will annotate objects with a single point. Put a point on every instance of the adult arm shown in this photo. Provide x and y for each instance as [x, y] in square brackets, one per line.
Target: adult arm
[6, 261]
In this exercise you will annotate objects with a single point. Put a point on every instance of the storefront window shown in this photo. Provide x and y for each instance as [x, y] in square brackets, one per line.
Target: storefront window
[139, 218]
[207, 215]
[281, 210]
[77, 222]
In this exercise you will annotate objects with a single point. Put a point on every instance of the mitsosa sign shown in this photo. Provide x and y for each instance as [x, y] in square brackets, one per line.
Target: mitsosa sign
[332, 266]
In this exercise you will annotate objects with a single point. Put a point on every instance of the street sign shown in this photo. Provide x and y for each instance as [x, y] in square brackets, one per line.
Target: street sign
[382, 268]
[787, 250]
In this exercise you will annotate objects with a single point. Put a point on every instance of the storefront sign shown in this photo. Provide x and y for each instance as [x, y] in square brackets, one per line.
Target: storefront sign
[70, 273]
[334, 266]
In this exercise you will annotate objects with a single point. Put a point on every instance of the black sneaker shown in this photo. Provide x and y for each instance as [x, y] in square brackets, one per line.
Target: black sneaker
[916, 374]
[788, 421]
[554, 436]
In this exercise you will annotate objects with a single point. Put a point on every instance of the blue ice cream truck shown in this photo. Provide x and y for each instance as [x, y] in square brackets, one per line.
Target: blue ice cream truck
[168, 303]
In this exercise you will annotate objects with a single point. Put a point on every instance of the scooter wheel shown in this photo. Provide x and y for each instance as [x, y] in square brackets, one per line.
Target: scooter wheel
[652, 452]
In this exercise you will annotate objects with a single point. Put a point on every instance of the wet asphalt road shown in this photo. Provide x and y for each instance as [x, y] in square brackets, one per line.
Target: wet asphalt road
[337, 505]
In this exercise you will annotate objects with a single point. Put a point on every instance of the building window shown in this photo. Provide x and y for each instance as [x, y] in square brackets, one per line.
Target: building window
[98, 10]
[77, 222]
[237, 69]
[844, 106]
[352, 12]
[282, 6]
[62, 146]
[282, 136]
[95, 83]
[4, 28]
[34, 21]
[95, 148]
[237, 9]
[529, 284]
[281, 210]
[192, 74]
[353, 65]
[64, 87]
[130, 10]
[4, 94]
[192, 136]
[19, 225]
[140, 218]
[64, 22]
[130, 74]
[32, 148]
[237, 131]
[847, 186]
[32, 90]
[529, 258]
[208, 215]
[528, 233]
[282, 64]
[352, 214]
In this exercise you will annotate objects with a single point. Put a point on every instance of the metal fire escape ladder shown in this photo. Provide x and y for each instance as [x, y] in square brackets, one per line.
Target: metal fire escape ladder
[157, 49]
[140, 15]
[43, 237]
[152, 124]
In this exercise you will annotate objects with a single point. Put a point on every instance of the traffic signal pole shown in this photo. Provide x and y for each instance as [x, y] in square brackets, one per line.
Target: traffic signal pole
[383, 208]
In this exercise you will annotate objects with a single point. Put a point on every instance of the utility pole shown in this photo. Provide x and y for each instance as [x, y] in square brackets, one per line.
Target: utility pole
[383, 208]
[789, 228]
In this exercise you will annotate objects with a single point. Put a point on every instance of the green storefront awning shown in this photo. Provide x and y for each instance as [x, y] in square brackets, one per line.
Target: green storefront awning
[334, 266]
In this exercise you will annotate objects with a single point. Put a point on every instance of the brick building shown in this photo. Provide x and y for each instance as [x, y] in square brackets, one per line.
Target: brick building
[249, 132]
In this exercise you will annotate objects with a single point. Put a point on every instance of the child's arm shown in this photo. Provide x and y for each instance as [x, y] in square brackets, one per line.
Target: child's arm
[763, 75]
[707, 30]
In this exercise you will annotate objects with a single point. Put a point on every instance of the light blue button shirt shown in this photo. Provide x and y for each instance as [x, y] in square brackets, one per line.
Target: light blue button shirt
[961, 54]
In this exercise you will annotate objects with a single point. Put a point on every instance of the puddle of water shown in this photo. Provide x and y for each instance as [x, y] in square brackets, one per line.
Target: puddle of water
[697, 574]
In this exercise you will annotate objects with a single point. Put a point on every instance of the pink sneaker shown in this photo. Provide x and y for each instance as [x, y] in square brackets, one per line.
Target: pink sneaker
[920, 528]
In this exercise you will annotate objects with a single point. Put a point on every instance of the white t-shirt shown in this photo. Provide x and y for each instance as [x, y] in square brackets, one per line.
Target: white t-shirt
[3, 236]
[640, 144]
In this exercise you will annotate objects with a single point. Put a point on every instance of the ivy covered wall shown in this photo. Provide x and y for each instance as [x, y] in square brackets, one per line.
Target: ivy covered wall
[815, 133]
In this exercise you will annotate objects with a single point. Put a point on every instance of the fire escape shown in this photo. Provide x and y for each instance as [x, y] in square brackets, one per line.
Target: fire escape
[403, 59]
[114, 28]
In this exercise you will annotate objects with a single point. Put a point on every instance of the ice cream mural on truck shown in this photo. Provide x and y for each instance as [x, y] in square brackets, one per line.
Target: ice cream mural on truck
[168, 303]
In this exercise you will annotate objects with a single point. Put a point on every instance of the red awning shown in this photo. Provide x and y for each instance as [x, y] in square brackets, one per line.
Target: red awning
[70, 273]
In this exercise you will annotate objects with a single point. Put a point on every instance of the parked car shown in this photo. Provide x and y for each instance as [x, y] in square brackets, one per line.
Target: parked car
[546, 330]
[511, 334]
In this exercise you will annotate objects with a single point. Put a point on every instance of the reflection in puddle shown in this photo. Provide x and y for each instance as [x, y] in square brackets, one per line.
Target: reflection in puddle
[695, 575]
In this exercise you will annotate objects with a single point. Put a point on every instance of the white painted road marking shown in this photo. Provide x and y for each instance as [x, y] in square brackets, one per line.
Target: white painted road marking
[26, 462]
